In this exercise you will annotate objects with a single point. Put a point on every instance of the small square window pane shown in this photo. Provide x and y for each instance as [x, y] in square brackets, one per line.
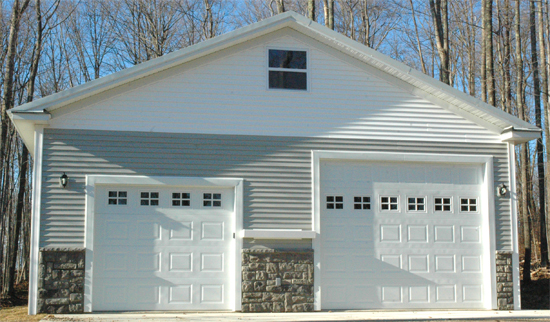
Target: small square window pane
[437, 200]
[447, 200]
[185, 203]
[207, 203]
[155, 195]
[420, 207]
[112, 201]
[186, 195]
[207, 196]
[122, 194]
[420, 200]
[330, 206]
[356, 199]
[437, 208]
[339, 206]
[366, 206]
[175, 202]
[121, 201]
[366, 199]
[145, 202]
[446, 207]
[176, 195]
[385, 207]
[217, 196]
[473, 201]
[463, 201]
[112, 194]
[393, 207]
[357, 206]
[464, 208]
[154, 202]
[339, 199]
[385, 199]
[411, 207]
[330, 199]
[411, 200]
[393, 199]
[473, 208]
[217, 203]
[144, 195]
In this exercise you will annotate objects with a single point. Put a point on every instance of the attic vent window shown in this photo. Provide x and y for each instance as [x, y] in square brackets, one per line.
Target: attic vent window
[288, 69]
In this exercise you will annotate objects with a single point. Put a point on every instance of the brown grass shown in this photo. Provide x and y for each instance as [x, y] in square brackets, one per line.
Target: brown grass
[18, 313]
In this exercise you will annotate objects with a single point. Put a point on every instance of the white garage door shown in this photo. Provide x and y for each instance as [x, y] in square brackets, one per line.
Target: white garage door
[162, 249]
[402, 235]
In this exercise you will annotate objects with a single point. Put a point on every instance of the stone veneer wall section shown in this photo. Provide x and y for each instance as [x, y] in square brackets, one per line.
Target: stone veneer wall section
[505, 289]
[262, 268]
[61, 280]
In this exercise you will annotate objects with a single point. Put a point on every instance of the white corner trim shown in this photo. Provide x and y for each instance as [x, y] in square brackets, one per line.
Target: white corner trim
[278, 234]
[489, 223]
[514, 225]
[97, 180]
[35, 223]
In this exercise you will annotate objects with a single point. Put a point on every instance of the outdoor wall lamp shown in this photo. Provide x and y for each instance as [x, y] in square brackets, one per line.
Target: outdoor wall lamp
[502, 190]
[63, 180]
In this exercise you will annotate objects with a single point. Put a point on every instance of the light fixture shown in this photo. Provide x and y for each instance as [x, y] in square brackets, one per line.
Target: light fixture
[63, 180]
[502, 190]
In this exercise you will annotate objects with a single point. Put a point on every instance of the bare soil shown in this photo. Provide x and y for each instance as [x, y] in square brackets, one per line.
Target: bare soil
[536, 294]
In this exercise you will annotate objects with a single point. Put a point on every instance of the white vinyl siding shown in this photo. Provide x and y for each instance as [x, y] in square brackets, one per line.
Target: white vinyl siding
[226, 93]
[276, 172]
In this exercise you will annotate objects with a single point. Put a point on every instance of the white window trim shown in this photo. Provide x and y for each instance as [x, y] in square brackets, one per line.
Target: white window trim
[117, 198]
[443, 211]
[148, 198]
[468, 197]
[307, 71]
[487, 194]
[426, 204]
[92, 181]
[379, 200]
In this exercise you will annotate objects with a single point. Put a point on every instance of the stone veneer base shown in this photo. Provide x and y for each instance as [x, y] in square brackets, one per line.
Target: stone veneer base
[505, 284]
[61, 280]
[260, 271]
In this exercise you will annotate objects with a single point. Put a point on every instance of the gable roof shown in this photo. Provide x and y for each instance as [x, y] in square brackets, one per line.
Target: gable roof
[26, 116]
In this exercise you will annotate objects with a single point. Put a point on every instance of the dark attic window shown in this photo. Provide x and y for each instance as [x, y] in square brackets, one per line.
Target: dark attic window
[288, 69]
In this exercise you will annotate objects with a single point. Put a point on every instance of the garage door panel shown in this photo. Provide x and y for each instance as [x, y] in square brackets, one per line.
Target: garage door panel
[163, 257]
[415, 257]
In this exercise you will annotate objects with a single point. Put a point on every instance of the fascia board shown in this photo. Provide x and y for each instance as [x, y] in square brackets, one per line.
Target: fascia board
[384, 63]
[60, 99]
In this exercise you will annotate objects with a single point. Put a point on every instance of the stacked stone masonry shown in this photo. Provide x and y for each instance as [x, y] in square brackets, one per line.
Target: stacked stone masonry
[505, 289]
[61, 280]
[261, 270]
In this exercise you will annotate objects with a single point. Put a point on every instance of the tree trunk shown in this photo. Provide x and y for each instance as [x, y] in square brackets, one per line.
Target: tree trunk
[280, 6]
[439, 10]
[311, 9]
[328, 9]
[488, 44]
[7, 103]
[538, 112]
[524, 150]
[544, 97]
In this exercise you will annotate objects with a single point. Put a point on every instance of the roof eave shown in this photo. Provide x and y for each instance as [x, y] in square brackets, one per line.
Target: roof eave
[520, 135]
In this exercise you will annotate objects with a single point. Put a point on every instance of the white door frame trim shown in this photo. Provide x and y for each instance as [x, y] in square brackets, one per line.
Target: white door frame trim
[490, 298]
[98, 180]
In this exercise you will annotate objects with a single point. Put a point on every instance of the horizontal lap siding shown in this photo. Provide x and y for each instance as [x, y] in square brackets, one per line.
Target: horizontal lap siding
[276, 170]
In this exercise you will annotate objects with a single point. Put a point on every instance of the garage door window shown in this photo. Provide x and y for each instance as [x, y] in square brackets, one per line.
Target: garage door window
[212, 199]
[149, 199]
[389, 203]
[443, 204]
[118, 198]
[361, 203]
[416, 204]
[468, 204]
[181, 199]
[335, 202]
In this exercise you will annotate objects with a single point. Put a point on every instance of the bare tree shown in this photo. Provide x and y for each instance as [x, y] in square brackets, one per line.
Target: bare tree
[439, 10]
